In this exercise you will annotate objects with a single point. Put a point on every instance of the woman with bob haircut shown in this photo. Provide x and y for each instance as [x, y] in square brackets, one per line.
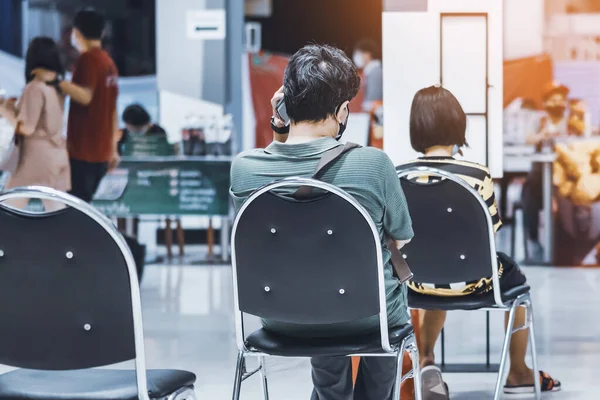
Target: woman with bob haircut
[438, 130]
[38, 121]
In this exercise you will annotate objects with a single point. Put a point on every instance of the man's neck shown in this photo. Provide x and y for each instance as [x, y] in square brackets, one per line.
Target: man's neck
[92, 44]
[307, 132]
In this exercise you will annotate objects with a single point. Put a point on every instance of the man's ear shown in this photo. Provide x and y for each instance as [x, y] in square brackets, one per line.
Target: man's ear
[343, 112]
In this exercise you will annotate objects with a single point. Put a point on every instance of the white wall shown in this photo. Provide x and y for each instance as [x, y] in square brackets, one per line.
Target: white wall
[185, 65]
[523, 28]
[175, 108]
[411, 47]
[12, 74]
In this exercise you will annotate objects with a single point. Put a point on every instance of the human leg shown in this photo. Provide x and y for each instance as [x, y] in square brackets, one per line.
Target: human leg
[432, 323]
[332, 378]
[376, 378]
[81, 183]
[519, 373]
[85, 178]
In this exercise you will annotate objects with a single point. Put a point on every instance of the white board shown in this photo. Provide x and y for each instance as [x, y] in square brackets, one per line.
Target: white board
[464, 64]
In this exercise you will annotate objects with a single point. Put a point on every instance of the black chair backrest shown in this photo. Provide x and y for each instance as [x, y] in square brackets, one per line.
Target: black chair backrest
[65, 291]
[453, 239]
[307, 262]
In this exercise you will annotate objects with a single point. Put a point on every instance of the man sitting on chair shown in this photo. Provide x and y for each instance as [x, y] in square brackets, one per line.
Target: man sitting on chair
[437, 129]
[319, 83]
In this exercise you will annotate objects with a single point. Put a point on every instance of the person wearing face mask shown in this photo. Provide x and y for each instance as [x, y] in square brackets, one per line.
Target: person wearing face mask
[437, 130]
[92, 131]
[319, 83]
[554, 125]
[364, 58]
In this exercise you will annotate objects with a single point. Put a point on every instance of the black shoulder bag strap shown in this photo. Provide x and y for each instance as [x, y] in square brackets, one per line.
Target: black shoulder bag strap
[401, 269]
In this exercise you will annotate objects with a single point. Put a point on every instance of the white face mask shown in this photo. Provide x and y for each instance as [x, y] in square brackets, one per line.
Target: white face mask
[359, 60]
[74, 41]
[455, 150]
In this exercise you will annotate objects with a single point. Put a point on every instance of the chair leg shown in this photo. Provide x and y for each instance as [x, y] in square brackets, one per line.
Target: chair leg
[532, 344]
[263, 378]
[239, 372]
[399, 360]
[507, 337]
[513, 234]
[416, 365]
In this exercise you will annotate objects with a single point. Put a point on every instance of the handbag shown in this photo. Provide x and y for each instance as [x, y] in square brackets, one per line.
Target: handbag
[401, 269]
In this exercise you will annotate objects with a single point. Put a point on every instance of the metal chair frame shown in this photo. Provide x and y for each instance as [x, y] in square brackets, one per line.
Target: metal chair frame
[407, 345]
[44, 193]
[510, 306]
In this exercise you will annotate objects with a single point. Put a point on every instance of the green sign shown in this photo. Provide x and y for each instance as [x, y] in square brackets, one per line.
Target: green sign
[166, 186]
[144, 146]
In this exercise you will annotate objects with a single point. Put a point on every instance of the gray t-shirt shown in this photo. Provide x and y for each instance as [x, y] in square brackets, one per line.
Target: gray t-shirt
[367, 174]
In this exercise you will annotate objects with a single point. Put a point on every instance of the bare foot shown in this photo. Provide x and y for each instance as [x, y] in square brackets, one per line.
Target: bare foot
[525, 377]
[517, 378]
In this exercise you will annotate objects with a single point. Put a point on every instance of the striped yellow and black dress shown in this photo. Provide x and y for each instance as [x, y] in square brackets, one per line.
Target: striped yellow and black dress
[478, 176]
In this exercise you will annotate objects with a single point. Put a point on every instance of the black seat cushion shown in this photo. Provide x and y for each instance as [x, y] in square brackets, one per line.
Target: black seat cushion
[89, 384]
[469, 302]
[279, 345]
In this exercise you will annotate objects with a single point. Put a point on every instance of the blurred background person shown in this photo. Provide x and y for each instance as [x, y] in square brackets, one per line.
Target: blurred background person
[138, 123]
[38, 121]
[365, 53]
[438, 127]
[553, 125]
[92, 132]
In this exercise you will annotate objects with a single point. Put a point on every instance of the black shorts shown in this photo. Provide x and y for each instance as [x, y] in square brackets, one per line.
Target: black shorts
[512, 276]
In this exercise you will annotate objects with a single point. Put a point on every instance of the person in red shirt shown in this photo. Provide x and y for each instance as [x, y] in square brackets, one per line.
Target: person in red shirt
[92, 132]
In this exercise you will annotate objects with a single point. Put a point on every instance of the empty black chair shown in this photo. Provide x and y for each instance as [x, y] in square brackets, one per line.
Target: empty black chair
[311, 262]
[454, 242]
[69, 302]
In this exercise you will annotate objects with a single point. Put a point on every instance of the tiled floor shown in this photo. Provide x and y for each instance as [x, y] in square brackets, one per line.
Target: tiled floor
[189, 324]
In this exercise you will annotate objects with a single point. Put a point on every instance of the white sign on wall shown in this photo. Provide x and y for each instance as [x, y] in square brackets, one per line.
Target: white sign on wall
[206, 25]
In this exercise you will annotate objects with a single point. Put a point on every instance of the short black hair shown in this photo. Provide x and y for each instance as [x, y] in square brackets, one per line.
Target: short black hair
[90, 23]
[317, 80]
[367, 46]
[136, 115]
[42, 53]
[436, 119]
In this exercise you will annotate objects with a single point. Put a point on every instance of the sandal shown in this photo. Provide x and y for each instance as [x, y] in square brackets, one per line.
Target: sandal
[548, 384]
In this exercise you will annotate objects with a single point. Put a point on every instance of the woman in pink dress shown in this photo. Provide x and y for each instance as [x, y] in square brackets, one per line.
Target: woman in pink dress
[38, 121]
